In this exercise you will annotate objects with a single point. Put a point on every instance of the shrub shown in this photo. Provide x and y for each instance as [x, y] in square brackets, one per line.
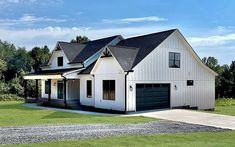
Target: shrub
[4, 88]
[16, 87]
[10, 97]
[225, 102]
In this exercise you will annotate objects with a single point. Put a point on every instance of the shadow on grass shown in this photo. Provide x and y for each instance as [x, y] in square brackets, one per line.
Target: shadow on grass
[65, 115]
[15, 105]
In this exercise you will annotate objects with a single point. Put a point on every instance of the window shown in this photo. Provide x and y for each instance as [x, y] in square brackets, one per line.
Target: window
[60, 61]
[89, 88]
[47, 86]
[189, 82]
[109, 89]
[174, 60]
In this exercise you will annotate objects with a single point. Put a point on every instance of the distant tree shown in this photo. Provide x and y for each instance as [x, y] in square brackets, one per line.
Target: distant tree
[7, 51]
[212, 63]
[20, 61]
[39, 56]
[232, 78]
[80, 39]
[3, 68]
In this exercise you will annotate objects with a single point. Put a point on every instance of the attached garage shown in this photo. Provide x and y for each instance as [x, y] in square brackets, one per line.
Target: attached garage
[152, 96]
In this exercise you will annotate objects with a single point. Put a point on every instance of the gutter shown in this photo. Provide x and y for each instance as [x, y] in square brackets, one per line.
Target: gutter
[126, 88]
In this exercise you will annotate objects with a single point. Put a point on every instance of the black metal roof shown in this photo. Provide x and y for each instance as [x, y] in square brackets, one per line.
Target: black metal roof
[91, 48]
[145, 43]
[124, 55]
[71, 50]
[88, 69]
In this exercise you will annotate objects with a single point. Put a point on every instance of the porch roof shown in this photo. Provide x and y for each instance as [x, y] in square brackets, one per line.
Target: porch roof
[48, 74]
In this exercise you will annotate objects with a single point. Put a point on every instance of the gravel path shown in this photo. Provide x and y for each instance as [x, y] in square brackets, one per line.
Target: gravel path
[44, 133]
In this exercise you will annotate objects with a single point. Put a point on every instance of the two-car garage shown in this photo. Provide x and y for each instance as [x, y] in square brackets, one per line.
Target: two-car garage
[152, 96]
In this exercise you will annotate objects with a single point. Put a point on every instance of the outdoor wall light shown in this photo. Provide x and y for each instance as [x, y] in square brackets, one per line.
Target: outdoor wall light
[175, 87]
[131, 88]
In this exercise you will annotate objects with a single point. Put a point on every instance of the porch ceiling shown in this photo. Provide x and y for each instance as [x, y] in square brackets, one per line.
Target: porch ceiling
[49, 74]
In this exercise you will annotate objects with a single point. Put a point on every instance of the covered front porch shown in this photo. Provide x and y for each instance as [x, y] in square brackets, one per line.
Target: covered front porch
[58, 88]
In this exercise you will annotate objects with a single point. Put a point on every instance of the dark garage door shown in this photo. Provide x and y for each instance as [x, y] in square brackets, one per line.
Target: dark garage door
[152, 96]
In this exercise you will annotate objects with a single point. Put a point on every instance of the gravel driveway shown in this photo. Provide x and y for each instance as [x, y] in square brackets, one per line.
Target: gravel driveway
[44, 133]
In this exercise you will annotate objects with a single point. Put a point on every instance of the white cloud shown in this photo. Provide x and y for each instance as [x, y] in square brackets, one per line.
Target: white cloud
[50, 35]
[28, 19]
[215, 40]
[135, 19]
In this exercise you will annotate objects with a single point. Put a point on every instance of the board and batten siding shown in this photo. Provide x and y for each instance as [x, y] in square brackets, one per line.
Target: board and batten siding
[84, 100]
[53, 61]
[155, 69]
[107, 68]
[54, 95]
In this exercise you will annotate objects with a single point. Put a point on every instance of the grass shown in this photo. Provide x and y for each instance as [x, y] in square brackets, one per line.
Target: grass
[225, 102]
[207, 139]
[225, 106]
[14, 114]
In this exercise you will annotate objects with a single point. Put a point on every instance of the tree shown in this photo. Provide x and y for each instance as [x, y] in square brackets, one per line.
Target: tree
[212, 63]
[232, 78]
[20, 61]
[80, 39]
[3, 68]
[7, 51]
[39, 56]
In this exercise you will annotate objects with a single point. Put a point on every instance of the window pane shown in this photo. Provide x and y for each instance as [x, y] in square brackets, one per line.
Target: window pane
[171, 63]
[60, 61]
[171, 56]
[189, 82]
[112, 90]
[89, 88]
[109, 89]
[105, 89]
[177, 56]
[177, 64]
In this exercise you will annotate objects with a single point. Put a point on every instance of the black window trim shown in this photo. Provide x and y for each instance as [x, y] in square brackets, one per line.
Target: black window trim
[61, 61]
[174, 60]
[109, 91]
[190, 82]
[89, 95]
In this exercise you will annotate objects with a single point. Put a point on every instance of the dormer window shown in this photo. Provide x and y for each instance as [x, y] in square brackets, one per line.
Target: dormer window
[60, 61]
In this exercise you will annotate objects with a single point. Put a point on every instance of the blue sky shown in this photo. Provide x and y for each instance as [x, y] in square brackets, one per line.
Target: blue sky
[209, 25]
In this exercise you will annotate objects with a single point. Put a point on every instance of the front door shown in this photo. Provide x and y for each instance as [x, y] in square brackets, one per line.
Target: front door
[60, 90]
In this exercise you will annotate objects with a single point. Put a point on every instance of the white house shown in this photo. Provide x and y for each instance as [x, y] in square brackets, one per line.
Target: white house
[159, 70]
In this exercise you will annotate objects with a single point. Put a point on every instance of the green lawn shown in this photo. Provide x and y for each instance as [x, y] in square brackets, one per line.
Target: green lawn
[225, 106]
[225, 110]
[13, 113]
[206, 139]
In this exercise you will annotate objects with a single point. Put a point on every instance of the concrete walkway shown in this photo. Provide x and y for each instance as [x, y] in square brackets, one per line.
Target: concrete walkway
[193, 117]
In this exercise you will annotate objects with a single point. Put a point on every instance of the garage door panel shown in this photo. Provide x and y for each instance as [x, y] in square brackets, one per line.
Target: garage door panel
[152, 96]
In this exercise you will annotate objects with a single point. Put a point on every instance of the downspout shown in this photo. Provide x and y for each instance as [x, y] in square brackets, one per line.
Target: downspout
[126, 88]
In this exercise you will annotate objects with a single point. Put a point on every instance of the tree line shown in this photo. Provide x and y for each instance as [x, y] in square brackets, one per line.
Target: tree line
[17, 61]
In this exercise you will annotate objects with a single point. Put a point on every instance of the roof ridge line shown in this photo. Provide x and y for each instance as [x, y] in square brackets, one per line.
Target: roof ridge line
[151, 34]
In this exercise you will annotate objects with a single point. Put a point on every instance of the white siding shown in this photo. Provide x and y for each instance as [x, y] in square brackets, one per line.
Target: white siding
[84, 100]
[155, 69]
[53, 89]
[56, 54]
[108, 69]
[53, 61]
